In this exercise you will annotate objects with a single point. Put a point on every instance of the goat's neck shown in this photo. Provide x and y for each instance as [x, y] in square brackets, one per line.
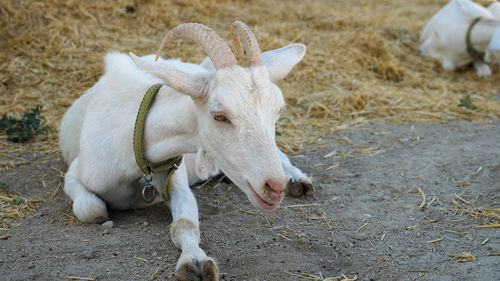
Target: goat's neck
[482, 33]
[171, 127]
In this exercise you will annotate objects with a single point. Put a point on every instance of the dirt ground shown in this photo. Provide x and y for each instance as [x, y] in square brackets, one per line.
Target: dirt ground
[363, 220]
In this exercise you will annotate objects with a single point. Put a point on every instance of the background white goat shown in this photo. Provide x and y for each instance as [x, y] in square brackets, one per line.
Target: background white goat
[494, 8]
[444, 36]
[227, 113]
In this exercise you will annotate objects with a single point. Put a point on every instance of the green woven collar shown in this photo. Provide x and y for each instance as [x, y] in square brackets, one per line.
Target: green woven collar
[475, 54]
[148, 168]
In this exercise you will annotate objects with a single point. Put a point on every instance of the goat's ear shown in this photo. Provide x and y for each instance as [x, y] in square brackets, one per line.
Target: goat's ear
[204, 166]
[281, 61]
[196, 87]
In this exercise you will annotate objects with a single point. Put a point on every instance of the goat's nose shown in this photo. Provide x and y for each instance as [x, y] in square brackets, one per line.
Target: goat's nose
[275, 188]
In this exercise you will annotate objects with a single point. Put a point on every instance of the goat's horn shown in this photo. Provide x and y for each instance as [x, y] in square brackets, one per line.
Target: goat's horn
[207, 38]
[241, 31]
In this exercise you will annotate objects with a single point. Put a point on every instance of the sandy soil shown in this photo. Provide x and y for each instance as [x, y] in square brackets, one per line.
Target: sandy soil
[363, 219]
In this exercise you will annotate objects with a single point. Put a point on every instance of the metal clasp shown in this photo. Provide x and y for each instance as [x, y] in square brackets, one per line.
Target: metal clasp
[148, 189]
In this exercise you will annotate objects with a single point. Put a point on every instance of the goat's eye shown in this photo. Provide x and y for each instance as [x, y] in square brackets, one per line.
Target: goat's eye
[220, 118]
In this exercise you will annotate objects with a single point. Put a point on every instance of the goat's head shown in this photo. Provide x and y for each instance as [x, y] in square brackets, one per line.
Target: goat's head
[237, 108]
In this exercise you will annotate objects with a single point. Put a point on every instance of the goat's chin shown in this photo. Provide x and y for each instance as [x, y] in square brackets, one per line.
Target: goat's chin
[260, 203]
[257, 202]
[245, 186]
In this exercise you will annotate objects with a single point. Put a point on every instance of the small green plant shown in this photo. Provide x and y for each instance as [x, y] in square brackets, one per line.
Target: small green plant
[21, 130]
[465, 102]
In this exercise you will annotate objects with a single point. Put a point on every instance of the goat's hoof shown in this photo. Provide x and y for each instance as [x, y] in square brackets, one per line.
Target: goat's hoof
[299, 188]
[198, 271]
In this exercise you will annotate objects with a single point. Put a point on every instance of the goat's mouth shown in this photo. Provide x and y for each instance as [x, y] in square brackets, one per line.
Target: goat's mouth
[262, 203]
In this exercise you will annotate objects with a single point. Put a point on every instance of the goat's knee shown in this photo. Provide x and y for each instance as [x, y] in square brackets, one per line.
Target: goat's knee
[448, 65]
[185, 234]
[89, 208]
[482, 69]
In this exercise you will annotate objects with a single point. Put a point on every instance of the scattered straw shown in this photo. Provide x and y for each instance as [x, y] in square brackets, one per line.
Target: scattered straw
[342, 277]
[284, 237]
[325, 219]
[383, 236]
[290, 232]
[490, 217]
[361, 227]
[13, 157]
[330, 154]
[332, 167]
[465, 257]
[303, 205]
[485, 241]
[422, 205]
[80, 278]
[370, 151]
[61, 173]
[69, 218]
[256, 214]
[435, 240]
[492, 255]
[303, 275]
[248, 212]
[476, 172]
[494, 225]
[463, 200]
[14, 206]
[141, 259]
[430, 221]
[361, 62]
[155, 274]
[338, 179]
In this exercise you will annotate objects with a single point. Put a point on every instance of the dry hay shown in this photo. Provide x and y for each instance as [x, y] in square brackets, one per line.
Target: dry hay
[465, 257]
[14, 206]
[361, 63]
[489, 218]
[342, 277]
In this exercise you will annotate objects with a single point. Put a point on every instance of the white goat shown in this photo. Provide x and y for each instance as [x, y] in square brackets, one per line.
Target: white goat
[444, 36]
[227, 114]
[494, 8]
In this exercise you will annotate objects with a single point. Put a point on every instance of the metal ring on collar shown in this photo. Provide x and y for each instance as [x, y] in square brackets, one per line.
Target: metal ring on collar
[148, 188]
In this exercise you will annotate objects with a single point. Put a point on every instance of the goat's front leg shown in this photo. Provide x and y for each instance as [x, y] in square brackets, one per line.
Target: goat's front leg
[193, 263]
[482, 69]
[87, 206]
[298, 182]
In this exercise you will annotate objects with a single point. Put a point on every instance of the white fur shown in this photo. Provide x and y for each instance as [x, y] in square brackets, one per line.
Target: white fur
[96, 137]
[444, 35]
[494, 8]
